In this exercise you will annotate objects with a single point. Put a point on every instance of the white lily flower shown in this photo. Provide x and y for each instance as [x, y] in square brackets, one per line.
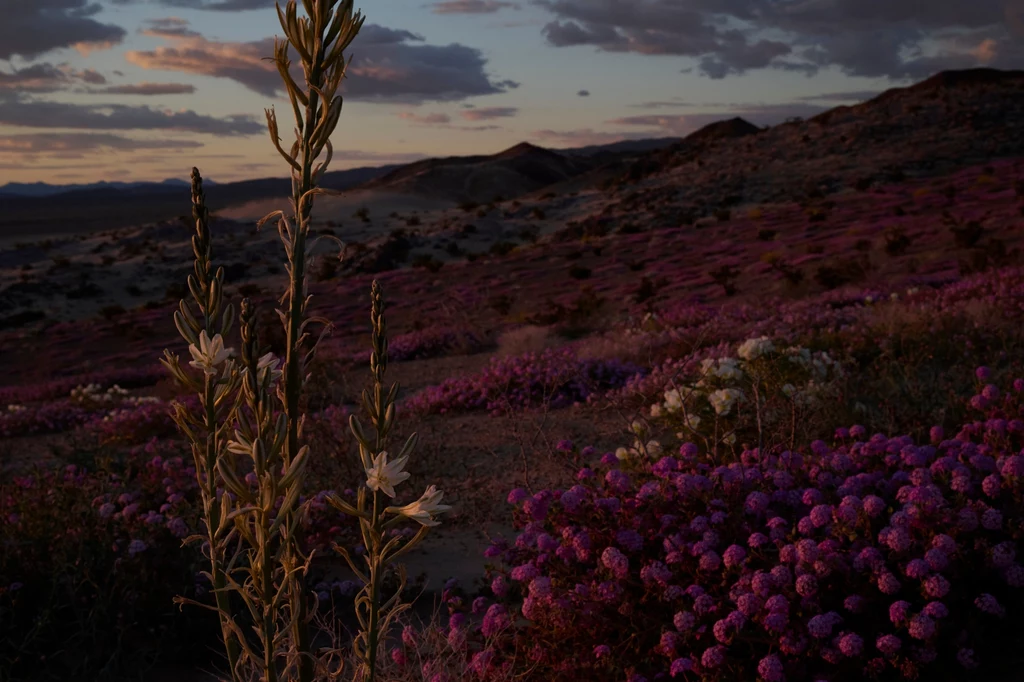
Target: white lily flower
[384, 475]
[424, 509]
[269, 363]
[211, 352]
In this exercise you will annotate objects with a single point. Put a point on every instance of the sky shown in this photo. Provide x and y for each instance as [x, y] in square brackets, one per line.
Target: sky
[142, 90]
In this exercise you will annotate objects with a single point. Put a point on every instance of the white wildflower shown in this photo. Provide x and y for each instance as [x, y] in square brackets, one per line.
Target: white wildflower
[424, 509]
[656, 410]
[729, 369]
[723, 400]
[269, 363]
[752, 349]
[384, 475]
[673, 400]
[211, 352]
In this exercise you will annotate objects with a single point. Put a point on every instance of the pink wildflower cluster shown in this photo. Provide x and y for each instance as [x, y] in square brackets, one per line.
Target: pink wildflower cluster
[873, 557]
[429, 342]
[556, 377]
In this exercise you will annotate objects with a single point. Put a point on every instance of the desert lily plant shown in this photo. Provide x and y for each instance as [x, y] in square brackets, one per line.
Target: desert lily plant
[206, 429]
[251, 535]
[382, 476]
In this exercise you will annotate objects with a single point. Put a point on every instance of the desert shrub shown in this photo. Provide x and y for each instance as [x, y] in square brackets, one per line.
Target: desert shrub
[427, 262]
[966, 233]
[83, 290]
[896, 241]
[817, 215]
[529, 234]
[502, 248]
[579, 272]
[109, 312]
[725, 276]
[842, 271]
[500, 303]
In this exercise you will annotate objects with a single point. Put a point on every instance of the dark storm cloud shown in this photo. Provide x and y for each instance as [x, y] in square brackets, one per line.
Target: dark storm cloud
[870, 38]
[25, 112]
[388, 65]
[29, 28]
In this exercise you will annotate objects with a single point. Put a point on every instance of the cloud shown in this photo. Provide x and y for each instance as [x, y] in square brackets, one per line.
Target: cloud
[21, 111]
[471, 6]
[46, 77]
[845, 96]
[659, 104]
[146, 88]
[212, 5]
[488, 113]
[62, 143]
[428, 119]
[171, 27]
[897, 39]
[389, 65]
[583, 93]
[33, 27]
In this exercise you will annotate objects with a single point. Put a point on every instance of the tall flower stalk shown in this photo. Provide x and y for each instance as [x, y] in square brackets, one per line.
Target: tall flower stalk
[382, 475]
[319, 39]
[206, 429]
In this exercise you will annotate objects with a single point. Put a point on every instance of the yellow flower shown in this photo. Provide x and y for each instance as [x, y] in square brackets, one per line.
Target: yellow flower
[424, 509]
[384, 475]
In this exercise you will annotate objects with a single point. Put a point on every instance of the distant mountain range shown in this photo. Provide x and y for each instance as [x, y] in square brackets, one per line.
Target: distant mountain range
[937, 122]
[44, 189]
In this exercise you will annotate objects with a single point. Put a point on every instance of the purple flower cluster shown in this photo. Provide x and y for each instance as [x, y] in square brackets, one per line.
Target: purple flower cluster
[556, 377]
[430, 342]
[871, 557]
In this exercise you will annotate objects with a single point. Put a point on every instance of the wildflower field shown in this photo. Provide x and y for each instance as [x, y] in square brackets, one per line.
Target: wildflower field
[735, 473]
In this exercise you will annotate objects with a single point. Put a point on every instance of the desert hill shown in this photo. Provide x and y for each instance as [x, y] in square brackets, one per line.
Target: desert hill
[478, 179]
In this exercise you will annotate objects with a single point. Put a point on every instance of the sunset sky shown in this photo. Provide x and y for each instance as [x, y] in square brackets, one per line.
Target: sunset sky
[145, 89]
